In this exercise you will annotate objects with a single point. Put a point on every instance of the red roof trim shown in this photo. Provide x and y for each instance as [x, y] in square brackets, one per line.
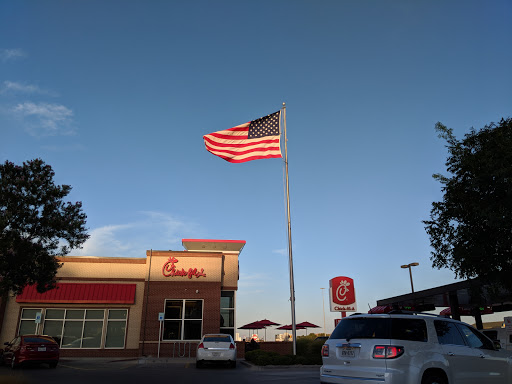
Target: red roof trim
[81, 293]
[213, 241]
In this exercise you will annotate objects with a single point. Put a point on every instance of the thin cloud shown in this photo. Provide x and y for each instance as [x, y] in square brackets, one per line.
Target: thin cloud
[45, 119]
[169, 226]
[154, 230]
[11, 87]
[11, 54]
[105, 241]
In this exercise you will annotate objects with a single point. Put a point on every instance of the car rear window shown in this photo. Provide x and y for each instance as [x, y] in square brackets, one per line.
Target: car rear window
[381, 328]
[362, 328]
[38, 340]
[217, 338]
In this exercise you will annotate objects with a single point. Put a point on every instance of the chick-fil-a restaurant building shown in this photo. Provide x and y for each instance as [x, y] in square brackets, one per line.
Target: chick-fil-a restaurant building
[130, 307]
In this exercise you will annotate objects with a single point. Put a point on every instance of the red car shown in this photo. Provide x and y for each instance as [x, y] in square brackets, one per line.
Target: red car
[31, 349]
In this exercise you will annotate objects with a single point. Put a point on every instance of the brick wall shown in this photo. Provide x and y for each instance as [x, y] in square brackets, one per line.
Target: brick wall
[158, 292]
[281, 347]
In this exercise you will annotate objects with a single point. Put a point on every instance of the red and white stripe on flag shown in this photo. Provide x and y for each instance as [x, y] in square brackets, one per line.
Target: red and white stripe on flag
[235, 146]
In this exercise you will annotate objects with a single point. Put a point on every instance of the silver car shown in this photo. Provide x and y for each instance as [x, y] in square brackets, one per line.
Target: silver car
[410, 348]
[216, 348]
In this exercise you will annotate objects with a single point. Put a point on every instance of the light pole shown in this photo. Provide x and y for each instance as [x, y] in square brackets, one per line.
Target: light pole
[323, 307]
[410, 273]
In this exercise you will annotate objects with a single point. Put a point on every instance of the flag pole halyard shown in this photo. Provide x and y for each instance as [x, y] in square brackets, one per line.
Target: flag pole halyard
[292, 288]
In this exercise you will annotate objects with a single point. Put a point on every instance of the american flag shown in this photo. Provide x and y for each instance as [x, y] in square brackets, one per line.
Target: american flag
[257, 139]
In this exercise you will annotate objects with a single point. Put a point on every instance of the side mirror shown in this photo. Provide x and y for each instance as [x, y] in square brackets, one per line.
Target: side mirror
[497, 344]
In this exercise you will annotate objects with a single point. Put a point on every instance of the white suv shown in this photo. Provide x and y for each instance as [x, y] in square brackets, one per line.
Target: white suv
[406, 348]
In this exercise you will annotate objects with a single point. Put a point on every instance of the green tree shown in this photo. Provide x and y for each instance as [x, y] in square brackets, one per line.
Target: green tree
[35, 226]
[470, 230]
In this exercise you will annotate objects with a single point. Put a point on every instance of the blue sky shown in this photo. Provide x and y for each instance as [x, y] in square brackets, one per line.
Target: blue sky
[116, 96]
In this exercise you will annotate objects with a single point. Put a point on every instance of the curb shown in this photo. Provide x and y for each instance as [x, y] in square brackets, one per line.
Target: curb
[95, 359]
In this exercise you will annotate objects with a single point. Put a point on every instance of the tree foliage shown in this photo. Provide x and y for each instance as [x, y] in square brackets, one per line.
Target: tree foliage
[470, 230]
[35, 225]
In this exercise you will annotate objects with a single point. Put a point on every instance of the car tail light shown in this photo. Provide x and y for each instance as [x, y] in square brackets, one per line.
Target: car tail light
[325, 350]
[231, 346]
[200, 346]
[387, 351]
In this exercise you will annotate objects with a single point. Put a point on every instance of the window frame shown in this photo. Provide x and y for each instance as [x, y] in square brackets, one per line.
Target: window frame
[183, 319]
[108, 320]
[229, 329]
[40, 327]
[22, 319]
[454, 328]
[486, 342]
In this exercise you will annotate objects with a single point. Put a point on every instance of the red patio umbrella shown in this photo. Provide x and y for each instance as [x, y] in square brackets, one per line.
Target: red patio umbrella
[306, 325]
[253, 325]
[290, 327]
[267, 323]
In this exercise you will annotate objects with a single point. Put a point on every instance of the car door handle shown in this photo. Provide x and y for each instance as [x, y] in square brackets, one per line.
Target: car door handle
[482, 356]
[451, 354]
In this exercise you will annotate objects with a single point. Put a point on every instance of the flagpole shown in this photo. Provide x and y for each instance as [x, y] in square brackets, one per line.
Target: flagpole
[289, 225]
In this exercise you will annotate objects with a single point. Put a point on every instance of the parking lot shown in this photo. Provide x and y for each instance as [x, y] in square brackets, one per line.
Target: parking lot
[96, 371]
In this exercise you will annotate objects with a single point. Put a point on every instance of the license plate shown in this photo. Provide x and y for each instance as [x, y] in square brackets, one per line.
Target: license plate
[348, 352]
[216, 354]
[41, 349]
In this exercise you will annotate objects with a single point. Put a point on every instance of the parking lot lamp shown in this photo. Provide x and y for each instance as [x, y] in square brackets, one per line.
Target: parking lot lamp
[410, 273]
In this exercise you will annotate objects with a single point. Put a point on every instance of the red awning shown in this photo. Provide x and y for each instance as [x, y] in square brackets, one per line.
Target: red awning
[381, 309]
[94, 293]
[467, 311]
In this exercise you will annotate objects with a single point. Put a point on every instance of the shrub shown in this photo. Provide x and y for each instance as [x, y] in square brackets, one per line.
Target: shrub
[310, 355]
[284, 360]
[260, 357]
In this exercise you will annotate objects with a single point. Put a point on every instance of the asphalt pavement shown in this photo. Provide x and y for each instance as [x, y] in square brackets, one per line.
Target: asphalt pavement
[98, 361]
[153, 370]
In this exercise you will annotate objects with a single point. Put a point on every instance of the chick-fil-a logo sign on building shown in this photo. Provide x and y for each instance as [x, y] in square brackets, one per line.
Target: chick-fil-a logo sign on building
[342, 294]
[169, 270]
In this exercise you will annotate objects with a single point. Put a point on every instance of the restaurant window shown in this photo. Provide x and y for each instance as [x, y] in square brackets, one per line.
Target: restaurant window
[53, 323]
[85, 328]
[116, 328]
[28, 323]
[183, 320]
[227, 312]
[75, 328]
[93, 328]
